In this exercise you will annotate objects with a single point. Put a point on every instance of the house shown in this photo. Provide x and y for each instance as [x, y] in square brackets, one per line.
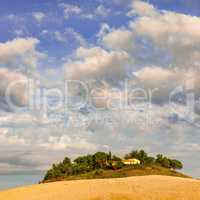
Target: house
[132, 161]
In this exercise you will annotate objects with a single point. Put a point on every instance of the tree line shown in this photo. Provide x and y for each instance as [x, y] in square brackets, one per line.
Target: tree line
[106, 161]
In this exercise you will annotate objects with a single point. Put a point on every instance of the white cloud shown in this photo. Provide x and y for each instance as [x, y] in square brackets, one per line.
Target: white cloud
[66, 142]
[126, 41]
[44, 32]
[102, 11]
[18, 87]
[105, 29]
[172, 32]
[39, 16]
[156, 37]
[142, 8]
[70, 10]
[173, 35]
[19, 32]
[16, 47]
[59, 36]
[97, 63]
[88, 16]
[20, 51]
[6, 139]
[69, 35]
[154, 77]
[11, 16]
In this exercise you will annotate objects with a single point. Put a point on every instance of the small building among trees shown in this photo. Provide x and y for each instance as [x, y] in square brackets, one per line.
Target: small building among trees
[131, 161]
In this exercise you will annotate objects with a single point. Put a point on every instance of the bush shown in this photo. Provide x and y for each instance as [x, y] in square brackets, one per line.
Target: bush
[176, 164]
[118, 165]
[165, 162]
[98, 172]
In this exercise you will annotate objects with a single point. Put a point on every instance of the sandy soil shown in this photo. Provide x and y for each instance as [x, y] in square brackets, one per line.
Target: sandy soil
[132, 188]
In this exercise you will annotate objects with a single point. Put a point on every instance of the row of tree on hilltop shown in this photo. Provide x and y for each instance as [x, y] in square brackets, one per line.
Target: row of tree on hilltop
[107, 161]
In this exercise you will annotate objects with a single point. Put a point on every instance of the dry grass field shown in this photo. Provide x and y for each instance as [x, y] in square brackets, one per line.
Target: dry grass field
[132, 188]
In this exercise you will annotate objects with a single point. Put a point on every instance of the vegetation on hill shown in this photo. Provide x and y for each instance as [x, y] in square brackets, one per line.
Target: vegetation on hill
[106, 165]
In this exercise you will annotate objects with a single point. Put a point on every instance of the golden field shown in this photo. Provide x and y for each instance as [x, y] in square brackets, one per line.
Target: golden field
[154, 187]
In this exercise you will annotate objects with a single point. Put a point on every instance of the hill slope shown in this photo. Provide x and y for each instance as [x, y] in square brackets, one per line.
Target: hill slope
[120, 173]
[138, 187]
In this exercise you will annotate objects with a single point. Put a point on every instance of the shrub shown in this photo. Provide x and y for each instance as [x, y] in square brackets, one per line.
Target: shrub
[165, 162]
[98, 172]
[176, 164]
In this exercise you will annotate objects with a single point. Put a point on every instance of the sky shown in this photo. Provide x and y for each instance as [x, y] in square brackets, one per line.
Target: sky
[80, 76]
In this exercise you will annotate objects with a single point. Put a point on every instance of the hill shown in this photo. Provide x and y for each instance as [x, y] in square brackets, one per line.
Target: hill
[106, 165]
[120, 173]
[138, 187]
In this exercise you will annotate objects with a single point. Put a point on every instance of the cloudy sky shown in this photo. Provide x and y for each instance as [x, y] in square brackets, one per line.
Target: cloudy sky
[82, 76]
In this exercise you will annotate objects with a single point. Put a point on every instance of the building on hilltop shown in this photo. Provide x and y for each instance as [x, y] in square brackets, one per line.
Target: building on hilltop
[132, 161]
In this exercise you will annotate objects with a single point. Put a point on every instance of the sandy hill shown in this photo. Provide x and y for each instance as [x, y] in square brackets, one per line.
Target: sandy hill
[132, 188]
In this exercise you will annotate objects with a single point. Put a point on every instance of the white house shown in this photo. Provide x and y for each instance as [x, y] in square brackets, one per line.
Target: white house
[132, 161]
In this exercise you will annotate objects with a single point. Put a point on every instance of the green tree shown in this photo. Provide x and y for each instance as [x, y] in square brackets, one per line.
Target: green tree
[67, 161]
[132, 154]
[116, 158]
[150, 160]
[49, 175]
[140, 155]
[85, 163]
[165, 162]
[176, 164]
[100, 159]
[159, 158]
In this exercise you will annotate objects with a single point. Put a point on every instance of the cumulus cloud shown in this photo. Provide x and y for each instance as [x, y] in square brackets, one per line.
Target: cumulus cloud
[159, 82]
[7, 139]
[126, 42]
[142, 8]
[69, 35]
[166, 85]
[174, 33]
[30, 150]
[39, 16]
[13, 87]
[155, 76]
[65, 141]
[70, 10]
[156, 37]
[20, 52]
[102, 11]
[105, 29]
[170, 35]
[97, 63]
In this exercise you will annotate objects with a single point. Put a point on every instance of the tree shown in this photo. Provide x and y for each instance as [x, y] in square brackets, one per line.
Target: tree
[49, 175]
[57, 170]
[176, 164]
[142, 156]
[67, 161]
[132, 154]
[150, 160]
[165, 162]
[159, 158]
[84, 163]
[115, 158]
[100, 159]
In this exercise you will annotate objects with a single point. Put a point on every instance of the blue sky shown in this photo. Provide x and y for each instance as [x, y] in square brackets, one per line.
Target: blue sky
[54, 21]
[149, 49]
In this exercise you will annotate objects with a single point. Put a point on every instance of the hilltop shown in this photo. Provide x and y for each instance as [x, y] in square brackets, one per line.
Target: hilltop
[106, 165]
